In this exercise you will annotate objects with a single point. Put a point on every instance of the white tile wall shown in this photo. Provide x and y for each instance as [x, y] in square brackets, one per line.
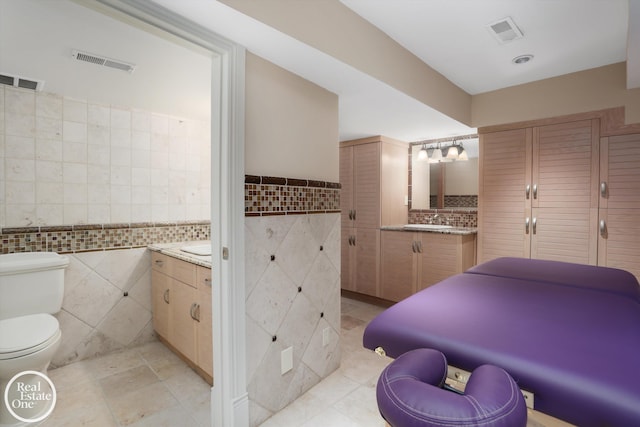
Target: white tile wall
[67, 161]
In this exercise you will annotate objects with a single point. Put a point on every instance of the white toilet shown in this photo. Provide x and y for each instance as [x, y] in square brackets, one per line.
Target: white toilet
[31, 290]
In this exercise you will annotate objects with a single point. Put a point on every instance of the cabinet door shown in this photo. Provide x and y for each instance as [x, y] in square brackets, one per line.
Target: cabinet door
[564, 192]
[204, 327]
[366, 166]
[182, 332]
[439, 258]
[503, 206]
[367, 261]
[398, 267]
[161, 299]
[346, 186]
[619, 228]
[347, 258]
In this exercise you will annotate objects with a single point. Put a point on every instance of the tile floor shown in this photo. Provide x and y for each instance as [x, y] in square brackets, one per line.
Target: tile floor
[150, 386]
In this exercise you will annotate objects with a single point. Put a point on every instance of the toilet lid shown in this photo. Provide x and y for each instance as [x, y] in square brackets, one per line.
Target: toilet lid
[24, 332]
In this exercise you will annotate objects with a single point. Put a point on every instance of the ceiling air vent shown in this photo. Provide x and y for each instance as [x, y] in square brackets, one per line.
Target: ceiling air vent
[15, 81]
[505, 30]
[104, 61]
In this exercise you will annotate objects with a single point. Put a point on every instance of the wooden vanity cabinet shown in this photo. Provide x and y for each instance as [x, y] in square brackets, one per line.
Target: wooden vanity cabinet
[181, 298]
[412, 261]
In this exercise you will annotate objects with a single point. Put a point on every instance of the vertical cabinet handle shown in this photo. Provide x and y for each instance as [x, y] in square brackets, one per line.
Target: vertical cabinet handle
[350, 214]
[535, 191]
[603, 228]
[413, 247]
[527, 190]
[195, 311]
[165, 296]
[354, 214]
[533, 225]
[526, 225]
[603, 189]
[419, 247]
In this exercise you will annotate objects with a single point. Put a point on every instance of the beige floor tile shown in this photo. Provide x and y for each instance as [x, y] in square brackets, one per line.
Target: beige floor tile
[127, 381]
[142, 403]
[172, 417]
[115, 362]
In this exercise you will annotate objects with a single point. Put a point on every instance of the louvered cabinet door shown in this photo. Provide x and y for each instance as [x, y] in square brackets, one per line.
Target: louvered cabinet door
[619, 221]
[366, 191]
[503, 207]
[565, 192]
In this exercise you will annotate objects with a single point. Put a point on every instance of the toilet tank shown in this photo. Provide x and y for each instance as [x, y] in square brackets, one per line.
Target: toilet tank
[31, 282]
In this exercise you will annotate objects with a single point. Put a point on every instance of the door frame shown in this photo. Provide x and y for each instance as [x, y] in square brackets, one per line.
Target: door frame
[229, 397]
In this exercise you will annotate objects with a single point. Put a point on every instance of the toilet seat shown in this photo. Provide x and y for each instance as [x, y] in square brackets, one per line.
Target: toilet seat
[27, 334]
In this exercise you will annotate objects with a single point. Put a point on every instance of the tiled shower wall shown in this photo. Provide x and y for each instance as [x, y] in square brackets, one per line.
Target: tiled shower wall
[292, 255]
[70, 161]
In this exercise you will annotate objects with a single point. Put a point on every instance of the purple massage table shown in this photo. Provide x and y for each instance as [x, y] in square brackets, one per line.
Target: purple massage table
[568, 333]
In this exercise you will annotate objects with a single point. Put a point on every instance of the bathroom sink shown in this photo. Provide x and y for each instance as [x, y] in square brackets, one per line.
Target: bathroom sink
[201, 250]
[427, 227]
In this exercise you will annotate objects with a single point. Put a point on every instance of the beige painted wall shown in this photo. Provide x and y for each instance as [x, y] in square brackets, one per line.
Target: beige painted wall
[590, 90]
[333, 28]
[291, 125]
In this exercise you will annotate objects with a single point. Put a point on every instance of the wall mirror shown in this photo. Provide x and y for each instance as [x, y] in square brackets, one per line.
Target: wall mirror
[440, 182]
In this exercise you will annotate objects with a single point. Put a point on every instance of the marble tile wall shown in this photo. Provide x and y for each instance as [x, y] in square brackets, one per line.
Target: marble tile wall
[293, 295]
[71, 161]
[96, 316]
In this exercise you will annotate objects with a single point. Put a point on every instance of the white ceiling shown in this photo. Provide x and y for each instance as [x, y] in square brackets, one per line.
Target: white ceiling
[449, 35]
[452, 36]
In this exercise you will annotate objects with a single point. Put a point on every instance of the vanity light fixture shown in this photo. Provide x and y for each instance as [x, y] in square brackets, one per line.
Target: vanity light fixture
[422, 154]
[462, 155]
[436, 157]
[452, 154]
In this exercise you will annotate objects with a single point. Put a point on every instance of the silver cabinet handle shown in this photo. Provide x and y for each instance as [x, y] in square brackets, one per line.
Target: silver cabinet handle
[350, 213]
[526, 225]
[165, 296]
[527, 190]
[535, 191]
[413, 247]
[603, 228]
[603, 189]
[354, 214]
[419, 247]
[159, 262]
[533, 224]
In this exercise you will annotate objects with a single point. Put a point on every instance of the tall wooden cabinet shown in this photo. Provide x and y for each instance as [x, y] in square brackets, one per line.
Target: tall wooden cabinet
[538, 192]
[619, 187]
[374, 181]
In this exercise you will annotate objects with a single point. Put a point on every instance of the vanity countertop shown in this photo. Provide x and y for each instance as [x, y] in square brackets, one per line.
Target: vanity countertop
[452, 230]
[173, 250]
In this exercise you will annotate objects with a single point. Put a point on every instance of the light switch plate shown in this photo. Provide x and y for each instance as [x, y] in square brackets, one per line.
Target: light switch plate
[286, 360]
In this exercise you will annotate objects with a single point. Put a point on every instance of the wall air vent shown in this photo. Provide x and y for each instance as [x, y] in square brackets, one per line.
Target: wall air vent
[505, 30]
[104, 61]
[15, 81]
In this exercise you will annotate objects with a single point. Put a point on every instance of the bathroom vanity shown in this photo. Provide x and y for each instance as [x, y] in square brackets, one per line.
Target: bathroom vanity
[416, 256]
[181, 298]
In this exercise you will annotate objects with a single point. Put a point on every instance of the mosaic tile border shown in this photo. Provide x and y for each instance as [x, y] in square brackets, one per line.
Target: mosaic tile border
[455, 217]
[97, 237]
[267, 195]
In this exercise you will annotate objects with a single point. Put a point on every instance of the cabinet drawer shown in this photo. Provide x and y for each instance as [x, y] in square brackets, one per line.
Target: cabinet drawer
[182, 271]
